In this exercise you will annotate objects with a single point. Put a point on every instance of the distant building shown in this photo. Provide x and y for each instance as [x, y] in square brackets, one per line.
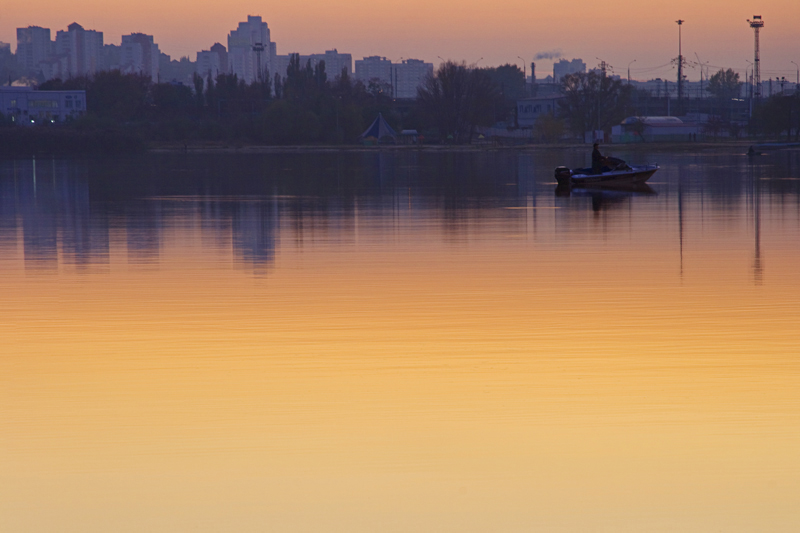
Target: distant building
[403, 78]
[33, 47]
[409, 75]
[55, 67]
[212, 62]
[334, 63]
[374, 68]
[563, 67]
[25, 105]
[112, 55]
[82, 48]
[530, 109]
[652, 129]
[139, 54]
[176, 71]
[279, 65]
[243, 59]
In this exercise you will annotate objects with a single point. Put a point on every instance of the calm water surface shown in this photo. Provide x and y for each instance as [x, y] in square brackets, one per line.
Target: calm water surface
[406, 341]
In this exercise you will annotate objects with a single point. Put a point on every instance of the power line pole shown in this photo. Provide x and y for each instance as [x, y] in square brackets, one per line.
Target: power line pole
[756, 24]
[680, 62]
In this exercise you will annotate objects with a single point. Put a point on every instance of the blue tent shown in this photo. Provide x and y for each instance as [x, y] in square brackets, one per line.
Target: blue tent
[379, 129]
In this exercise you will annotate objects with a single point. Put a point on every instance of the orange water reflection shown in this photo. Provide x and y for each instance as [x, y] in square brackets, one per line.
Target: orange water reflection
[555, 369]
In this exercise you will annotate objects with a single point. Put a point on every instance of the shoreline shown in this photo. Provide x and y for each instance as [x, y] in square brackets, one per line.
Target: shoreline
[232, 148]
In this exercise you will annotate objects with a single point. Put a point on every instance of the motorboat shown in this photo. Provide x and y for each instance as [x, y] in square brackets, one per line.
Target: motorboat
[759, 149]
[621, 175]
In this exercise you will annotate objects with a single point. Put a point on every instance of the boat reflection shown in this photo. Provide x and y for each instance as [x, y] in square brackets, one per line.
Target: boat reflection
[603, 197]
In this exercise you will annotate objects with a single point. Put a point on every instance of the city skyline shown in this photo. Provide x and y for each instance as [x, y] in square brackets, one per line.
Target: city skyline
[716, 32]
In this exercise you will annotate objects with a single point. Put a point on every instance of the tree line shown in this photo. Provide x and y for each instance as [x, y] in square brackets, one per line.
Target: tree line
[307, 106]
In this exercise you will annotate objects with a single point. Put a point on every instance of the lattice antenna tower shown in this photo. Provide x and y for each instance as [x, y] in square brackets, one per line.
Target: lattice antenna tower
[756, 24]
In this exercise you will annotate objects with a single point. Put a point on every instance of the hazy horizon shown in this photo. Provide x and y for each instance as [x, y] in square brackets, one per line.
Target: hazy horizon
[475, 32]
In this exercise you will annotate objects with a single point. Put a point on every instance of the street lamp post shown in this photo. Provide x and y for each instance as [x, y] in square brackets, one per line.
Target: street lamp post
[629, 71]
[524, 77]
[680, 61]
[796, 83]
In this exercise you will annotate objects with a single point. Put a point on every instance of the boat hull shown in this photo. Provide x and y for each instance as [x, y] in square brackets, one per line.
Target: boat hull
[615, 178]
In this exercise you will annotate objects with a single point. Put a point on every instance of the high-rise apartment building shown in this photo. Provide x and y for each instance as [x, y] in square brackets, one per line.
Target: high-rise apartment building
[139, 54]
[563, 67]
[33, 47]
[112, 54]
[212, 62]
[335, 62]
[82, 48]
[409, 75]
[374, 68]
[250, 51]
[403, 77]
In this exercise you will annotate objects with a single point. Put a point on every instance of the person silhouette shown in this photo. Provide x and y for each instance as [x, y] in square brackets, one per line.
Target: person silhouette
[598, 160]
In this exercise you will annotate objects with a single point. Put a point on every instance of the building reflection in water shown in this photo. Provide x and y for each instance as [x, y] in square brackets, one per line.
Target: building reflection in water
[49, 200]
[88, 214]
[254, 232]
[142, 233]
[51, 206]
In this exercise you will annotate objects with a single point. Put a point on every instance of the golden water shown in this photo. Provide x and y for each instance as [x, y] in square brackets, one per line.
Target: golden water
[520, 363]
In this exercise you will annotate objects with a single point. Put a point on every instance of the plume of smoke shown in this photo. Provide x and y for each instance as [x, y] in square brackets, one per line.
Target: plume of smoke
[550, 54]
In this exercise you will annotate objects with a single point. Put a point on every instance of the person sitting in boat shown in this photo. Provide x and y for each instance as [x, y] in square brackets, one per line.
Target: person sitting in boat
[601, 163]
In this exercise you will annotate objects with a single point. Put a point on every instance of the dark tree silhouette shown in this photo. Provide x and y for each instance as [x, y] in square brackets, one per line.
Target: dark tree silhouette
[458, 99]
[593, 101]
[724, 85]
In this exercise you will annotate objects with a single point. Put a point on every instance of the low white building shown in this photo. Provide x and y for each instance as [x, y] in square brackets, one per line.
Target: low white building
[26, 106]
[530, 109]
[653, 129]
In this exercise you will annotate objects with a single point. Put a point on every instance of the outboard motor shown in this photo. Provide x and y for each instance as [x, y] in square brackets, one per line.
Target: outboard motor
[563, 176]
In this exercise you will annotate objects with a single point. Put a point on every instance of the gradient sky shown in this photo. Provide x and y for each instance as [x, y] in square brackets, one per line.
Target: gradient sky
[468, 30]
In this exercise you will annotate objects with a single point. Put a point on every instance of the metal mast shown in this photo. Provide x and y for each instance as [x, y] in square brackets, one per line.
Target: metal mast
[756, 24]
[258, 48]
[680, 62]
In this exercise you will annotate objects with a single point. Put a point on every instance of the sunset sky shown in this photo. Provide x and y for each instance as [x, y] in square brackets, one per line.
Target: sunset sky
[467, 30]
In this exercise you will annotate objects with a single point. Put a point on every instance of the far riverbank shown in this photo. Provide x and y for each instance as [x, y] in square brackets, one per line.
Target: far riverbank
[211, 147]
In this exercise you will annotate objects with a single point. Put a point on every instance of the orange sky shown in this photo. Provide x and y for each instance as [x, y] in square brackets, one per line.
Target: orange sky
[465, 29]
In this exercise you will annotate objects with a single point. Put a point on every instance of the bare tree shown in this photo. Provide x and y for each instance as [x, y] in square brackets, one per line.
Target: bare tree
[458, 99]
[593, 101]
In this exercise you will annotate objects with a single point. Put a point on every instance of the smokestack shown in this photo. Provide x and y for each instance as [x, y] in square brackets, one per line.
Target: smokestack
[533, 72]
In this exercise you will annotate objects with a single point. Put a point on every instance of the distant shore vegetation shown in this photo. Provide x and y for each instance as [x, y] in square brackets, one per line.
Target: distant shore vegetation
[128, 113]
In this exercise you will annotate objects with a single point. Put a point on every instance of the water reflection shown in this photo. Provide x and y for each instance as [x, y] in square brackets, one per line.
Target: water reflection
[381, 341]
[67, 213]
